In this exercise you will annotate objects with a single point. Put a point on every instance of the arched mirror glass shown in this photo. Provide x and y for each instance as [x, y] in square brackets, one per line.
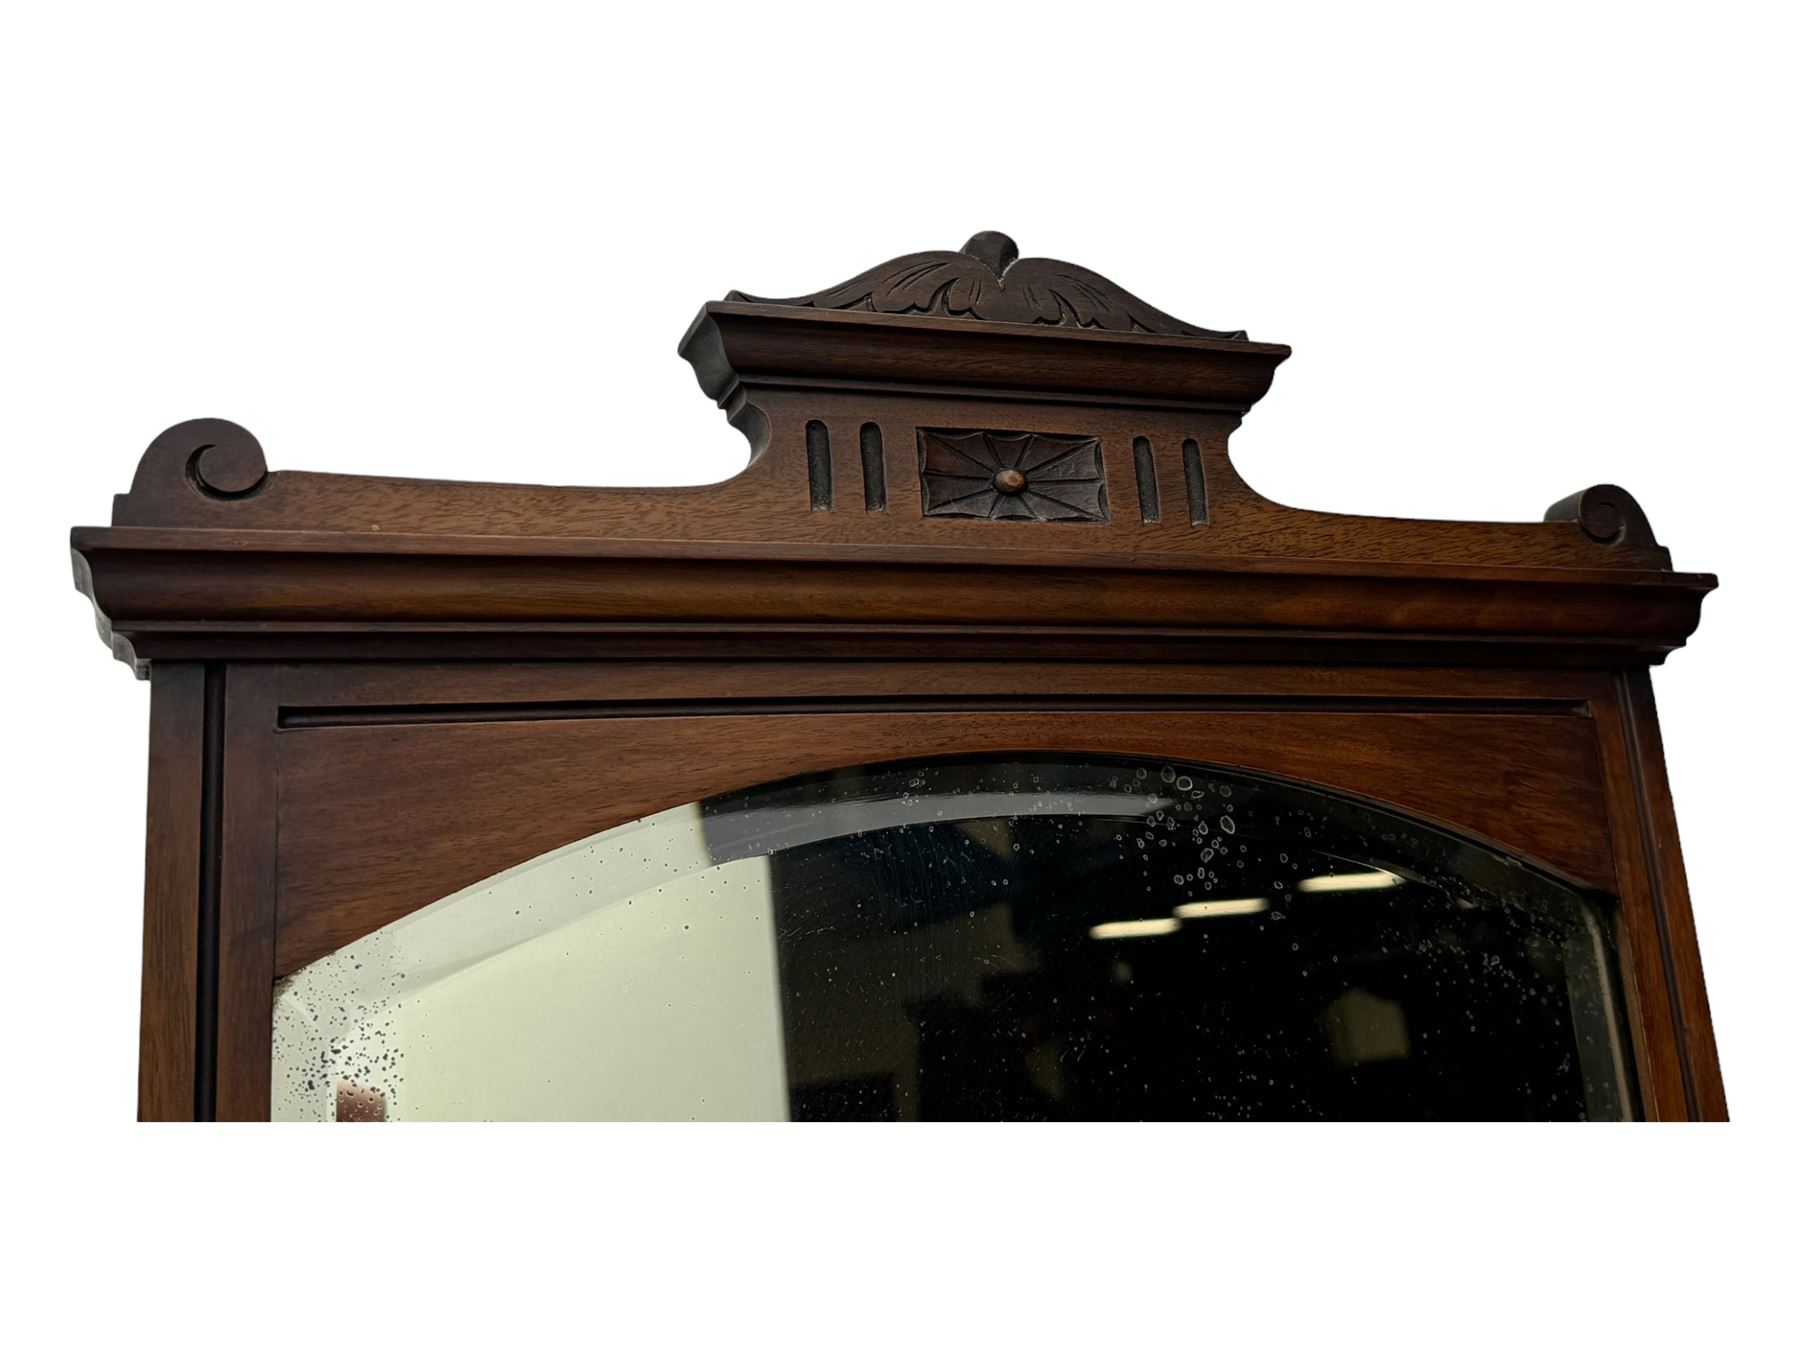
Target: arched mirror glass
[1032, 937]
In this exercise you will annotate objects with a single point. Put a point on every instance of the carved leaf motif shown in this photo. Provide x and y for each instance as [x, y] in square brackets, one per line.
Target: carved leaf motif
[987, 280]
[1011, 475]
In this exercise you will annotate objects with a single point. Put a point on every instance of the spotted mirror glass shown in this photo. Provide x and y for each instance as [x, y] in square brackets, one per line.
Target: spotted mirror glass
[1032, 938]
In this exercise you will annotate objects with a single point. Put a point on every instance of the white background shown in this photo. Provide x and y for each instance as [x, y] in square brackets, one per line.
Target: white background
[1517, 250]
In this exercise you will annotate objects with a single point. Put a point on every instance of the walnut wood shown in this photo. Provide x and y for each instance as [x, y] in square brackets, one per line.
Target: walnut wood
[1653, 892]
[169, 595]
[769, 501]
[379, 820]
[432, 568]
[1700, 1052]
[172, 878]
[989, 506]
[247, 895]
[988, 280]
[438, 565]
[351, 686]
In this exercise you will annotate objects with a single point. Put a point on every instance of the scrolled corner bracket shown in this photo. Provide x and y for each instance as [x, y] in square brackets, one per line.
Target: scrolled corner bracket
[1609, 515]
[987, 280]
[215, 458]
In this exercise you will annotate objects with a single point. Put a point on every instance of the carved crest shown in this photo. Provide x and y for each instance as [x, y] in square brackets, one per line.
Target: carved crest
[989, 281]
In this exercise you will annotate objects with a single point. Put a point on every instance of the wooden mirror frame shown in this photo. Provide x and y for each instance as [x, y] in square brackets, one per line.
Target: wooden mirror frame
[990, 505]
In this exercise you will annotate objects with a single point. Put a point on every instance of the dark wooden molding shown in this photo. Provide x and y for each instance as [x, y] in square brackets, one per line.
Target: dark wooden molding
[180, 834]
[856, 481]
[990, 504]
[170, 593]
[987, 280]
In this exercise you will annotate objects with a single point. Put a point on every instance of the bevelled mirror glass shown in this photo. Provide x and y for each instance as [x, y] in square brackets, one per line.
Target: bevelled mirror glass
[1035, 937]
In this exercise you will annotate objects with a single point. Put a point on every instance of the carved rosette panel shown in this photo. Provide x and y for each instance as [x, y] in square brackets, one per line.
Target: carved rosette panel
[1011, 475]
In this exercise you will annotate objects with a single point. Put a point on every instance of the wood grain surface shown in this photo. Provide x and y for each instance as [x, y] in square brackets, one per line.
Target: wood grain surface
[989, 506]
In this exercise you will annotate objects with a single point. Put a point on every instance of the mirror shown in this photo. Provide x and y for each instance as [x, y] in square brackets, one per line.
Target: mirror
[1027, 937]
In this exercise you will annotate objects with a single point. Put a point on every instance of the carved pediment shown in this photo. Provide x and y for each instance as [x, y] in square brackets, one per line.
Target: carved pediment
[987, 448]
[987, 280]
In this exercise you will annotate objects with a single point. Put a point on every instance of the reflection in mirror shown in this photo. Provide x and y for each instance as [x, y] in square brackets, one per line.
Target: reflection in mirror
[1039, 937]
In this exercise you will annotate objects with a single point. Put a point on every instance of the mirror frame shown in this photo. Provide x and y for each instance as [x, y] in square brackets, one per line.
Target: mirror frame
[989, 505]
